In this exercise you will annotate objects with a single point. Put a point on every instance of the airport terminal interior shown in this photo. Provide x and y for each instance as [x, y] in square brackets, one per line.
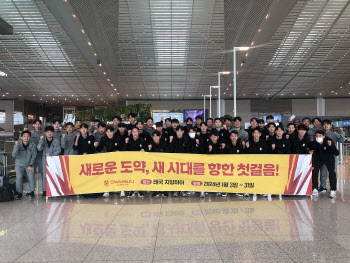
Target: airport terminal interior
[175, 131]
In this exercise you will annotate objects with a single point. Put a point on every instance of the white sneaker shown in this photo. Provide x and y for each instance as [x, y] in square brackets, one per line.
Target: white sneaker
[122, 194]
[202, 195]
[332, 194]
[315, 192]
[106, 195]
[246, 195]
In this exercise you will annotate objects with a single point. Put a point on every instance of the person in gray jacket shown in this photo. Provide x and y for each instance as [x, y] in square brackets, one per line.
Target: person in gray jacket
[24, 153]
[67, 140]
[57, 134]
[243, 134]
[50, 147]
[36, 134]
[149, 126]
[336, 137]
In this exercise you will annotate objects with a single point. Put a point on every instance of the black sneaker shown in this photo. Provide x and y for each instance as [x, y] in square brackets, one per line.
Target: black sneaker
[44, 194]
[31, 195]
[19, 196]
[165, 194]
[155, 194]
[140, 195]
[322, 190]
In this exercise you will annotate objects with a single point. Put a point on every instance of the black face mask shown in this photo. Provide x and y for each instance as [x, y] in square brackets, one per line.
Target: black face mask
[189, 125]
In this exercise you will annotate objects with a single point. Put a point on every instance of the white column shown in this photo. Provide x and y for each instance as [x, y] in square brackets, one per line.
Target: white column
[321, 107]
[222, 107]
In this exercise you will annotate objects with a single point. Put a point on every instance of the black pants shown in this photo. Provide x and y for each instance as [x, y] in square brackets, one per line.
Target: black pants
[330, 164]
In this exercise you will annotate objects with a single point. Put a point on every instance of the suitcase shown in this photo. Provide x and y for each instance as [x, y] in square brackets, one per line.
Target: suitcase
[6, 191]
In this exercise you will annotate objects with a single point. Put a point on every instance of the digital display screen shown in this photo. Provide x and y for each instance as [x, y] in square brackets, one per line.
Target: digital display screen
[194, 113]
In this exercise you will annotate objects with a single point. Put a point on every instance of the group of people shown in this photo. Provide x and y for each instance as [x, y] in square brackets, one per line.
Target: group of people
[213, 136]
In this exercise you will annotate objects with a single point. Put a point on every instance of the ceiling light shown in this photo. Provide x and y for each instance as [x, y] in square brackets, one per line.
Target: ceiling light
[111, 95]
[225, 72]
[259, 30]
[140, 95]
[20, 95]
[3, 74]
[190, 95]
[98, 95]
[307, 94]
[336, 93]
[243, 48]
[230, 84]
[246, 55]
[74, 16]
[112, 85]
[127, 95]
[41, 99]
[267, 16]
[282, 94]
[241, 64]
[252, 43]
[82, 31]
[108, 80]
[118, 93]
[177, 95]
[65, 99]
[332, 91]
[104, 73]
[341, 87]
[257, 94]
[33, 95]
[293, 94]
[89, 43]
[95, 54]
[3, 95]
[243, 94]
[115, 89]
[100, 64]
[7, 93]
[152, 95]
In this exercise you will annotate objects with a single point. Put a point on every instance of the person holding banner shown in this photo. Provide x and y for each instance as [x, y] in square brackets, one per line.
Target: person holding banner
[158, 145]
[180, 144]
[111, 142]
[83, 142]
[301, 143]
[50, 146]
[138, 144]
[323, 152]
[67, 140]
[257, 145]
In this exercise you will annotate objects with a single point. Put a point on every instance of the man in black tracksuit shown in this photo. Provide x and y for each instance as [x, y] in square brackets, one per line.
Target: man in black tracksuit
[215, 145]
[83, 142]
[257, 145]
[252, 127]
[234, 145]
[132, 124]
[142, 133]
[157, 145]
[278, 144]
[292, 133]
[163, 132]
[122, 131]
[135, 143]
[323, 152]
[202, 139]
[111, 141]
[301, 142]
[180, 144]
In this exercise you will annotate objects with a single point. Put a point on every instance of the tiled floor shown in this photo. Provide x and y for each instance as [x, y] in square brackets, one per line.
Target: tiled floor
[273, 229]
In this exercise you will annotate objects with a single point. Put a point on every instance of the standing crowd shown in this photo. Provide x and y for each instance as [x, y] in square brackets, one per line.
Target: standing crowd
[215, 136]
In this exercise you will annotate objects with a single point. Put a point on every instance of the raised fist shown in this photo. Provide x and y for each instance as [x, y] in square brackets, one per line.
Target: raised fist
[287, 136]
[95, 131]
[329, 143]
[95, 144]
[126, 140]
[78, 135]
[17, 143]
[63, 135]
[150, 147]
[210, 148]
[273, 146]
[41, 137]
[171, 138]
[197, 141]
[223, 146]
[243, 144]
[247, 144]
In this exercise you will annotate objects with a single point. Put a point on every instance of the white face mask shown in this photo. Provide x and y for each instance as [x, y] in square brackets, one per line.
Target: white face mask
[319, 139]
[192, 134]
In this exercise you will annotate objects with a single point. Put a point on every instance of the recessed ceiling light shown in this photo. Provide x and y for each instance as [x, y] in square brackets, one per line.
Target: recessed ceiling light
[293, 94]
[190, 95]
[74, 16]
[336, 93]
[7, 93]
[98, 95]
[177, 95]
[259, 30]
[252, 43]
[246, 55]
[115, 89]
[256, 94]
[127, 95]
[95, 54]
[241, 64]
[332, 91]
[307, 94]
[267, 16]
[112, 85]
[33, 95]
[118, 93]
[89, 43]
[243, 94]
[282, 94]
[108, 80]
[111, 95]
[82, 31]
[104, 73]
[341, 87]
[89, 99]
[140, 95]
[20, 95]
[268, 94]
[41, 99]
